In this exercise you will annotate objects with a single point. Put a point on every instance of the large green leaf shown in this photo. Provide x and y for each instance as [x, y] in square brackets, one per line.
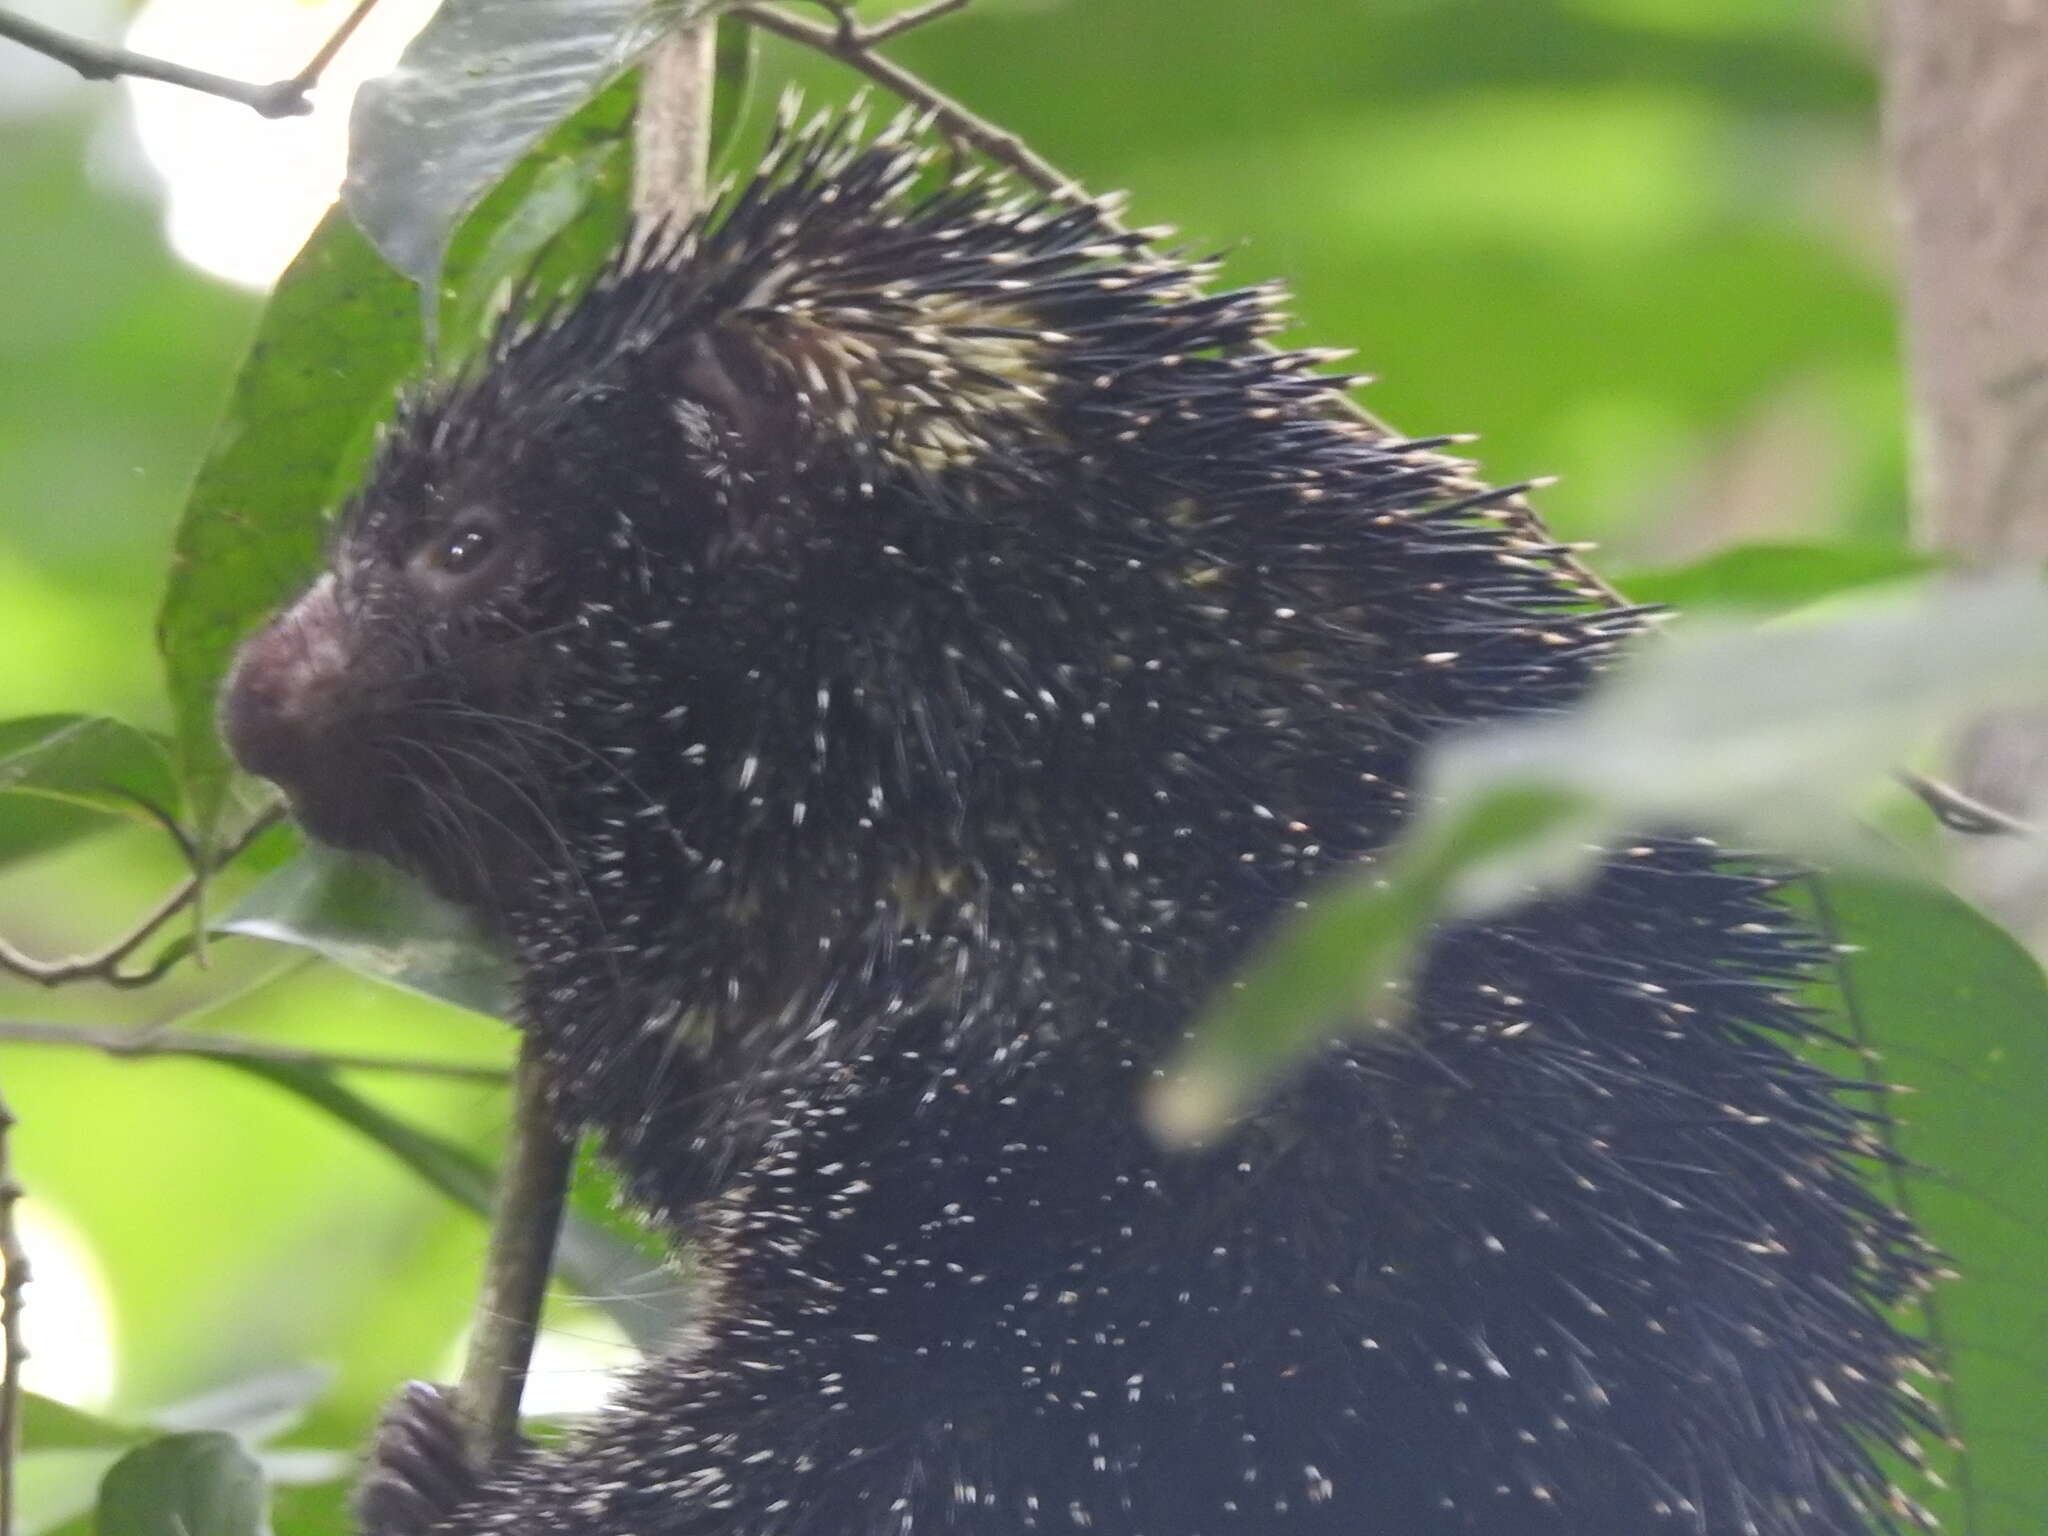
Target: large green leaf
[66, 1452]
[1957, 1010]
[549, 224]
[340, 331]
[64, 776]
[89, 760]
[1768, 735]
[1340, 965]
[480, 86]
[201, 1483]
[565, 207]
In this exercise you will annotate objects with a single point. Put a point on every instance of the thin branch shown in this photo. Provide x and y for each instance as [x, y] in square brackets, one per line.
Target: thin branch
[672, 139]
[105, 964]
[851, 34]
[903, 21]
[129, 1043]
[316, 66]
[854, 47]
[97, 61]
[1965, 813]
[526, 1222]
[14, 1275]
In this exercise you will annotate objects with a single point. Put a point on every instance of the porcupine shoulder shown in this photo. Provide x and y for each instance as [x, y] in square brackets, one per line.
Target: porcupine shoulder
[880, 658]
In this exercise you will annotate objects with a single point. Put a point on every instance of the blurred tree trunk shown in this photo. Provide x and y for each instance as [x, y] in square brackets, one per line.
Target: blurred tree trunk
[1966, 133]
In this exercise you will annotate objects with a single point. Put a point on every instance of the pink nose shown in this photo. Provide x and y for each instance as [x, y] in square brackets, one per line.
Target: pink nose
[278, 711]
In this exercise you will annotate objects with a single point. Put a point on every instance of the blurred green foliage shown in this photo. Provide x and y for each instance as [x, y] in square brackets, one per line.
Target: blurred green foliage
[1638, 243]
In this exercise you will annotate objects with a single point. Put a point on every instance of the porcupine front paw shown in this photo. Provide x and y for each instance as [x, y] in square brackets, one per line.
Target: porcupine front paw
[419, 1469]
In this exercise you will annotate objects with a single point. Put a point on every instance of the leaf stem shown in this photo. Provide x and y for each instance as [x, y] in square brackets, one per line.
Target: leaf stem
[105, 964]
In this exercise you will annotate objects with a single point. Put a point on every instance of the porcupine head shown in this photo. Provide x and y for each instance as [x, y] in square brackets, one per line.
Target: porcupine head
[900, 640]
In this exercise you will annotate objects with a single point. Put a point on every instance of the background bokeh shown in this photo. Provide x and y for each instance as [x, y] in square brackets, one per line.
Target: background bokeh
[1640, 244]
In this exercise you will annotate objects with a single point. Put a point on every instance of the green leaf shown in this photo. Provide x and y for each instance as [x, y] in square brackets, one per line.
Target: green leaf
[480, 86]
[63, 777]
[31, 826]
[339, 332]
[363, 915]
[197, 1484]
[1341, 965]
[550, 224]
[1958, 1010]
[737, 50]
[1763, 579]
[1766, 735]
[48, 1425]
[1769, 733]
[67, 1452]
[90, 761]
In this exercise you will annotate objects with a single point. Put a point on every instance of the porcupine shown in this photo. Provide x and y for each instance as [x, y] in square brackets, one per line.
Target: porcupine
[880, 657]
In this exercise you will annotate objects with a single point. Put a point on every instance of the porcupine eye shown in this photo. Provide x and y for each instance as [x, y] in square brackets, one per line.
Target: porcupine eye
[459, 558]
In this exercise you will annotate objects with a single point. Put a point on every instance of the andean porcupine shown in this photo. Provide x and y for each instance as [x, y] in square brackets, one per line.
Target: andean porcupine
[880, 658]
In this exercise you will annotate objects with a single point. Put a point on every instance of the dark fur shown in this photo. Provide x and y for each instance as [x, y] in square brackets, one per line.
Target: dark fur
[922, 648]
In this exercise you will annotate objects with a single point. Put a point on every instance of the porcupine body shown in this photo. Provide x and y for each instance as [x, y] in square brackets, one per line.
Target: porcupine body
[881, 659]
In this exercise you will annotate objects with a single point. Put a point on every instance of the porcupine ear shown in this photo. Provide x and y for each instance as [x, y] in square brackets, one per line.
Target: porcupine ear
[856, 307]
[858, 313]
